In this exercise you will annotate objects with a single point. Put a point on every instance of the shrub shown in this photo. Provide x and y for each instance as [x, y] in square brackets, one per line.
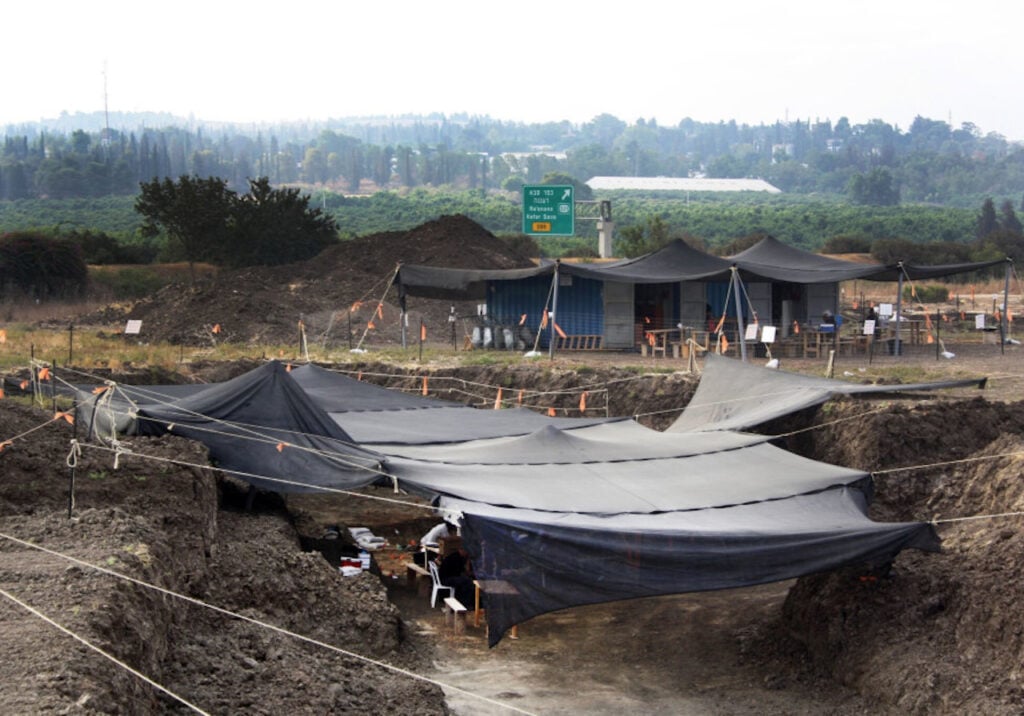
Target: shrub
[41, 267]
[926, 294]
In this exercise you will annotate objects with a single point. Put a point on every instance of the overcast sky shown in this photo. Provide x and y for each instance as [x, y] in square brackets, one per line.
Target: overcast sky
[522, 61]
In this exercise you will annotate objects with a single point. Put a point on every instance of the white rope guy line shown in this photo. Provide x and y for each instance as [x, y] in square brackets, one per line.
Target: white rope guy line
[970, 518]
[809, 428]
[455, 379]
[7, 441]
[262, 624]
[380, 304]
[948, 463]
[348, 461]
[82, 640]
[239, 473]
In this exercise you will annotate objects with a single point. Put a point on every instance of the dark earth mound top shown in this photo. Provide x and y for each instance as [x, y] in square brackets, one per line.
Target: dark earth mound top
[265, 304]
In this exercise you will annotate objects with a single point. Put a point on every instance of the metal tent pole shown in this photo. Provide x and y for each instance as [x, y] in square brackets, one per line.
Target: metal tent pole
[739, 314]
[554, 310]
[1004, 325]
[896, 349]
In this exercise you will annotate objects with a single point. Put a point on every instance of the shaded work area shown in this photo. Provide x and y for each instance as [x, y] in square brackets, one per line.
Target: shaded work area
[554, 512]
[678, 297]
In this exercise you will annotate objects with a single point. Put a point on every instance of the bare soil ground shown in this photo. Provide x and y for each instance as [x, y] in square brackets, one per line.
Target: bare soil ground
[939, 634]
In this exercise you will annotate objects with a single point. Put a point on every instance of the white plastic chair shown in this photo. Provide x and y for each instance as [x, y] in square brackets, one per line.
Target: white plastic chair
[436, 579]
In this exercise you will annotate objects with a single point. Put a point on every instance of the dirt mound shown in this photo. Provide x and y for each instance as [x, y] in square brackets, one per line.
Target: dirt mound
[937, 633]
[160, 523]
[264, 305]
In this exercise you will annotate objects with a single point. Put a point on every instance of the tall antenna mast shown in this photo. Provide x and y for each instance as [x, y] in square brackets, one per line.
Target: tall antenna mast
[106, 112]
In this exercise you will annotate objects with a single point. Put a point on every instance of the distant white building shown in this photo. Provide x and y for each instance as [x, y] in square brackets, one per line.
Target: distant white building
[680, 184]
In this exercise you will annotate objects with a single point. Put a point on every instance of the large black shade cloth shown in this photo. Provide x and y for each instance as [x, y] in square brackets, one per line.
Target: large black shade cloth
[555, 512]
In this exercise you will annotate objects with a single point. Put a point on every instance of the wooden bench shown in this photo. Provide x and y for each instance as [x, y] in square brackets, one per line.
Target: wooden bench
[578, 343]
[455, 615]
[647, 349]
[418, 578]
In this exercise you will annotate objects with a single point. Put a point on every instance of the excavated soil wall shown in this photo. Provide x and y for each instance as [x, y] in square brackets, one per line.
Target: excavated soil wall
[936, 634]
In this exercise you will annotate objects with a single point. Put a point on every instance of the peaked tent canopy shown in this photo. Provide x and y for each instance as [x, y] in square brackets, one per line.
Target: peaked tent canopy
[679, 262]
[770, 258]
[676, 261]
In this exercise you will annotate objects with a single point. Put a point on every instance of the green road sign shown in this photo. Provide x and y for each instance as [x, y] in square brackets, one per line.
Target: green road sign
[548, 209]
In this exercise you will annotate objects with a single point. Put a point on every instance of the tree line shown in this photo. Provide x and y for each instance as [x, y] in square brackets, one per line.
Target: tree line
[874, 163]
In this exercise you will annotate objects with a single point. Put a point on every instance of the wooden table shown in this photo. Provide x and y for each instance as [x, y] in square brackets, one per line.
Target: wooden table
[656, 340]
[492, 586]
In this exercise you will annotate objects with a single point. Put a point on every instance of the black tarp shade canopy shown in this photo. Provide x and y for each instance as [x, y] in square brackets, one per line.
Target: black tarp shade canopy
[733, 395]
[770, 258]
[556, 513]
[677, 261]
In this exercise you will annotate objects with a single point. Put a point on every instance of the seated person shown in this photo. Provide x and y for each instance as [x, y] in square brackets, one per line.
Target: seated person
[456, 571]
[432, 540]
[828, 323]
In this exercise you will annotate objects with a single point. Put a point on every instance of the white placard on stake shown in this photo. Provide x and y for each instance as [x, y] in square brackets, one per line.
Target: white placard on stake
[133, 328]
[885, 309]
[979, 321]
[768, 334]
[869, 327]
[751, 332]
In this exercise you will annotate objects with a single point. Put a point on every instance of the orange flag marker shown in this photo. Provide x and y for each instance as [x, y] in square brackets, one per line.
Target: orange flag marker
[551, 412]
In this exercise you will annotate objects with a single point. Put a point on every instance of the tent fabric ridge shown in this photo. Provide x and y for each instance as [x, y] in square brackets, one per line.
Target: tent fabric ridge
[611, 461]
[863, 484]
